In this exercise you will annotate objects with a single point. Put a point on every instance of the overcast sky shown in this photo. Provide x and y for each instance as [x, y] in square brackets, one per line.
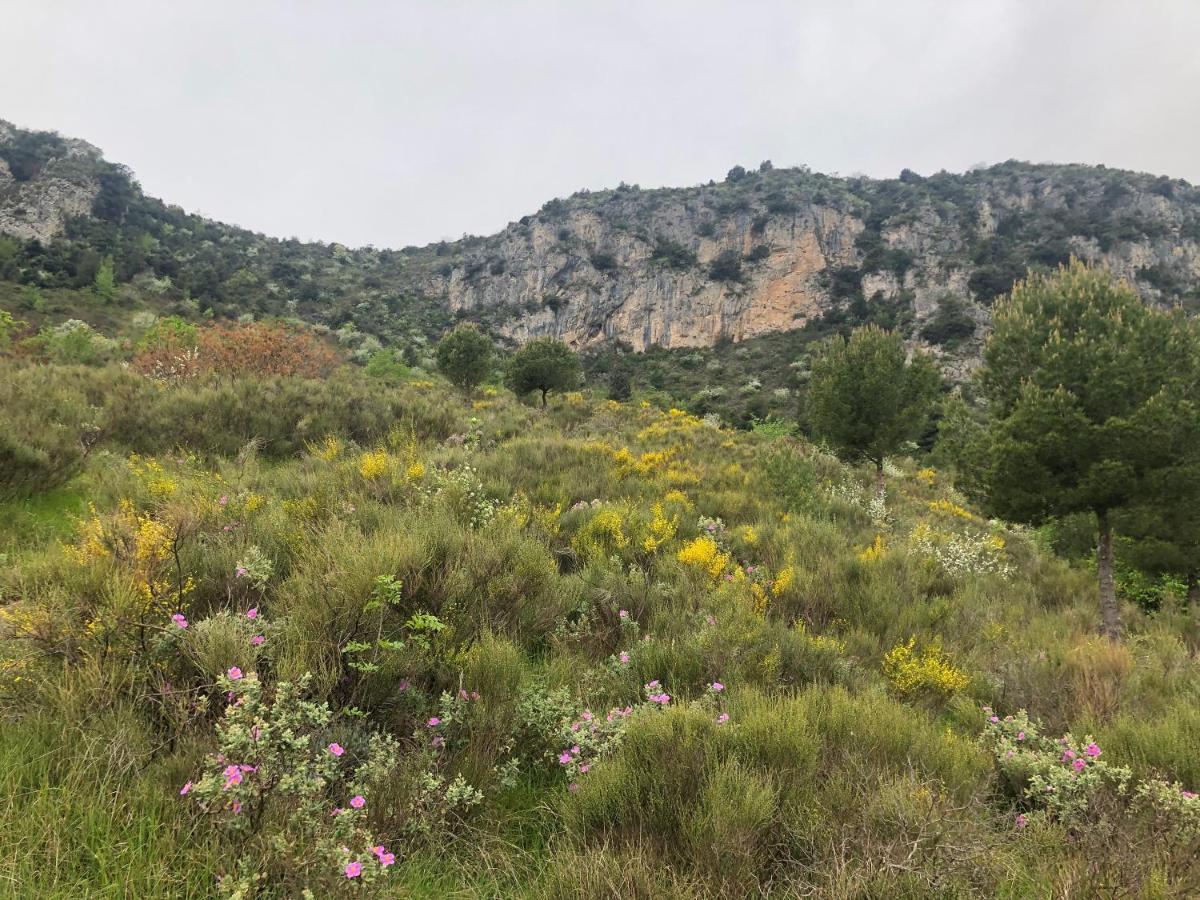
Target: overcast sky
[391, 123]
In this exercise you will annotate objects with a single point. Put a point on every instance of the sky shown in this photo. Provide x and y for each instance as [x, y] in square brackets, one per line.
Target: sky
[391, 123]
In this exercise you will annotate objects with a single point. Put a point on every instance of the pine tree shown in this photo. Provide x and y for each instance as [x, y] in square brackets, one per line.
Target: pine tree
[866, 398]
[1089, 397]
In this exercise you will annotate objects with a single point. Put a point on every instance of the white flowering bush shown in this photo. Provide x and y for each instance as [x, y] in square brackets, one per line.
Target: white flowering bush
[961, 555]
[466, 494]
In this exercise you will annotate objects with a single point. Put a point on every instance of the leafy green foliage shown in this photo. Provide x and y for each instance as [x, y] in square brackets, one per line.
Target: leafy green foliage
[866, 398]
[1090, 399]
[544, 365]
[465, 357]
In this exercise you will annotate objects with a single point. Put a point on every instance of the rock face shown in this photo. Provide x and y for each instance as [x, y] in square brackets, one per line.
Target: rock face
[635, 297]
[758, 253]
[645, 267]
[37, 207]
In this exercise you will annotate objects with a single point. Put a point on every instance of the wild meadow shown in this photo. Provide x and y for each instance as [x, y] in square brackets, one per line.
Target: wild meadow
[298, 630]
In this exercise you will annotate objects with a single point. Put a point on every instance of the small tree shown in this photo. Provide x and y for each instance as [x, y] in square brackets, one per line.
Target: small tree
[543, 365]
[105, 284]
[464, 356]
[1089, 401]
[866, 398]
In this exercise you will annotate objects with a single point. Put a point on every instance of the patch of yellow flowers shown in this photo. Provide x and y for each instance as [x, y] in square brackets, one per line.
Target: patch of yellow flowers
[928, 672]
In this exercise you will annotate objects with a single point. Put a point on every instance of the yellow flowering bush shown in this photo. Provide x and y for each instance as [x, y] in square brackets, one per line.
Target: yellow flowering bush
[950, 509]
[875, 552]
[929, 672]
[374, 464]
[704, 554]
[660, 529]
[783, 580]
[601, 536]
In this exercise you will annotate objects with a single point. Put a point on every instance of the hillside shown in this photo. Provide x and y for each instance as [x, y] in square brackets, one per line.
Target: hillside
[599, 650]
[759, 253]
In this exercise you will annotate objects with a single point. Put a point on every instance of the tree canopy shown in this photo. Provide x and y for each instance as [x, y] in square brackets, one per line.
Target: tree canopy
[1090, 397]
[544, 365]
[866, 398]
[464, 356]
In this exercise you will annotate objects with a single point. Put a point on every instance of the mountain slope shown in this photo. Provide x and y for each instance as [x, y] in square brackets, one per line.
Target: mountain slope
[761, 252]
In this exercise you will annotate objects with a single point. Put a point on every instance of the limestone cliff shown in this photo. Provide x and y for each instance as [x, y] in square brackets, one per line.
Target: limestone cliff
[38, 198]
[769, 251]
[759, 252]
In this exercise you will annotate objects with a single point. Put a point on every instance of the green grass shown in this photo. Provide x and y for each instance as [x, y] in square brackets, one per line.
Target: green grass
[30, 521]
[79, 822]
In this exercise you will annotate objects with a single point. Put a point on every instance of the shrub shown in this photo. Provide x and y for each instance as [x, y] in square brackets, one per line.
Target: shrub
[726, 267]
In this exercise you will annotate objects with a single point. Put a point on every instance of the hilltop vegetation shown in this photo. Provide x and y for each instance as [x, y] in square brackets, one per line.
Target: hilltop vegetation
[270, 627]
[736, 275]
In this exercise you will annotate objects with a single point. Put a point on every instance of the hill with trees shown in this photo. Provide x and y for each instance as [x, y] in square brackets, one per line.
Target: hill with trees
[763, 252]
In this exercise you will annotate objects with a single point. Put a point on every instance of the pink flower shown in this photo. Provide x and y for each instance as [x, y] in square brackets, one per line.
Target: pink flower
[235, 673]
[994, 719]
[624, 614]
[652, 685]
[438, 740]
[583, 770]
[1021, 820]
[1068, 755]
[462, 692]
[1020, 735]
[1092, 750]
[336, 749]
[233, 777]
[224, 501]
[353, 869]
[358, 801]
[236, 806]
[402, 686]
[241, 572]
[1079, 765]
[435, 722]
[717, 687]
[252, 612]
[387, 859]
[336, 811]
[574, 726]
[573, 787]
[1189, 795]
[474, 695]
[722, 718]
[575, 750]
[564, 758]
[711, 620]
[187, 788]
[257, 640]
[624, 658]
[378, 850]
[179, 620]
[587, 715]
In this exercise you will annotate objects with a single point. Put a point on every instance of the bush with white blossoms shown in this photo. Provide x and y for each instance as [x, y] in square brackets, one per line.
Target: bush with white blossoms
[961, 555]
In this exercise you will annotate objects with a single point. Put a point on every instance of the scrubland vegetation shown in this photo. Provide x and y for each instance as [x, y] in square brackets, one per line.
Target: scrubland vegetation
[285, 625]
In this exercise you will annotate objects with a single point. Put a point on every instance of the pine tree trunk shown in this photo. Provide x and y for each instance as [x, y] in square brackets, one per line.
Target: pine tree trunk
[543, 398]
[879, 477]
[1108, 591]
[1193, 589]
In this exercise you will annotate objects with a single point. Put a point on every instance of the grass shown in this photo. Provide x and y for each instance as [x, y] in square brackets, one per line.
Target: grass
[836, 773]
[30, 521]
